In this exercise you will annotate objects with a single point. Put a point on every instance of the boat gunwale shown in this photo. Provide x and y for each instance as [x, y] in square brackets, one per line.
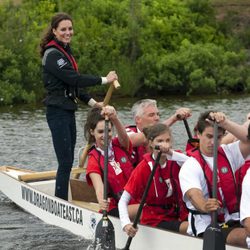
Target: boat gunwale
[146, 228]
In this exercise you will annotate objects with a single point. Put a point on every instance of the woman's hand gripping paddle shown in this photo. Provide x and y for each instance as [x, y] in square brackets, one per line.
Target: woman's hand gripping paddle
[213, 239]
[144, 196]
[105, 233]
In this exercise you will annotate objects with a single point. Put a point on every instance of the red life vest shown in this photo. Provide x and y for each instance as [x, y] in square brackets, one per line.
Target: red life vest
[72, 60]
[240, 174]
[138, 152]
[116, 182]
[191, 144]
[226, 179]
[168, 200]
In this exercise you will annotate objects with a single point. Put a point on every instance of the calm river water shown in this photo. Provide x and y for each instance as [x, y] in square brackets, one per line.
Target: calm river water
[26, 142]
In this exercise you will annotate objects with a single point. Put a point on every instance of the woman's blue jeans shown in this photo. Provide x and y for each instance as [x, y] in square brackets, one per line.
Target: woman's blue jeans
[63, 130]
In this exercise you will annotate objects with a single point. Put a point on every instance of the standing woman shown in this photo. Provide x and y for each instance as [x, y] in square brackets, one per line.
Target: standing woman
[63, 82]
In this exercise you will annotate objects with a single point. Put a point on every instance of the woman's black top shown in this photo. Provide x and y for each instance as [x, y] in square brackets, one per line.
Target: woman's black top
[61, 78]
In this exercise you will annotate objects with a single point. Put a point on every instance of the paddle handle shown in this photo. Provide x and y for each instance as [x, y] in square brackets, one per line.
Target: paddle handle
[128, 243]
[112, 86]
[186, 126]
[106, 158]
[215, 167]
[187, 129]
[143, 199]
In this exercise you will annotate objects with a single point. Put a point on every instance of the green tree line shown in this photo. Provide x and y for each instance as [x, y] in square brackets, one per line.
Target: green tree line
[156, 46]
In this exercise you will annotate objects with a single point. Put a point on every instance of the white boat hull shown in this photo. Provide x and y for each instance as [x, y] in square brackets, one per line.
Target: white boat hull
[37, 199]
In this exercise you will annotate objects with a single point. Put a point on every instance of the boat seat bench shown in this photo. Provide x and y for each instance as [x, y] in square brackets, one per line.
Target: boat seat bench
[83, 195]
[89, 205]
[46, 175]
[81, 191]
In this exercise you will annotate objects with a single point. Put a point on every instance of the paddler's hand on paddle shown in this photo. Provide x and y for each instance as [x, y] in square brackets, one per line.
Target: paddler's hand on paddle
[111, 76]
[110, 112]
[218, 117]
[165, 148]
[182, 113]
[130, 230]
[211, 205]
[104, 204]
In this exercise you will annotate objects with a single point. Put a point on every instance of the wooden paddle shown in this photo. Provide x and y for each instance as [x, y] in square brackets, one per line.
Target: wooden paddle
[105, 232]
[114, 85]
[84, 155]
[144, 196]
[213, 239]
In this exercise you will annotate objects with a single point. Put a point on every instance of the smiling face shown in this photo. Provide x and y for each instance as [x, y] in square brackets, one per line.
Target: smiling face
[98, 133]
[64, 31]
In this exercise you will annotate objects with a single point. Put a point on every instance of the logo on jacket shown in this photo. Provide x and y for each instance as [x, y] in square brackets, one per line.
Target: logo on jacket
[61, 62]
[224, 170]
[123, 160]
[116, 166]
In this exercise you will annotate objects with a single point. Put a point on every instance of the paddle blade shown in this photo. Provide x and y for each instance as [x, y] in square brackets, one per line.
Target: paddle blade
[213, 239]
[104, 235]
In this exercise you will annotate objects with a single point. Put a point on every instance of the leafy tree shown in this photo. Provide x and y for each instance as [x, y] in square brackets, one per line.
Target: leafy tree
[156, 46]
[20, 32]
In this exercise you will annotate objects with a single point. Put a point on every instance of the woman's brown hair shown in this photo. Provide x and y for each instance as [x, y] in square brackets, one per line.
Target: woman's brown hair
[49, 35]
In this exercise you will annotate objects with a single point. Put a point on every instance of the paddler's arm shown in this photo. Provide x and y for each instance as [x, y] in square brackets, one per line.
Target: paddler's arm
[180, 114]
[137, 139]
[126, 224]
[241, 131]
[197, 199]
[98, 186]
[120, 129]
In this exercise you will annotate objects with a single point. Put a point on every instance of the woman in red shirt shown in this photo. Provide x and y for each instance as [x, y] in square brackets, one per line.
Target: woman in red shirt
[119, 165]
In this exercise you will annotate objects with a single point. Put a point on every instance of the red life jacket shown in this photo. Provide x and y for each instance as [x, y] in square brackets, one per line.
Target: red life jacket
[240, 174]
[138, 152]
[116, 182]
[72, 60]
[168, 200]
[226, 179]
[192, 143]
